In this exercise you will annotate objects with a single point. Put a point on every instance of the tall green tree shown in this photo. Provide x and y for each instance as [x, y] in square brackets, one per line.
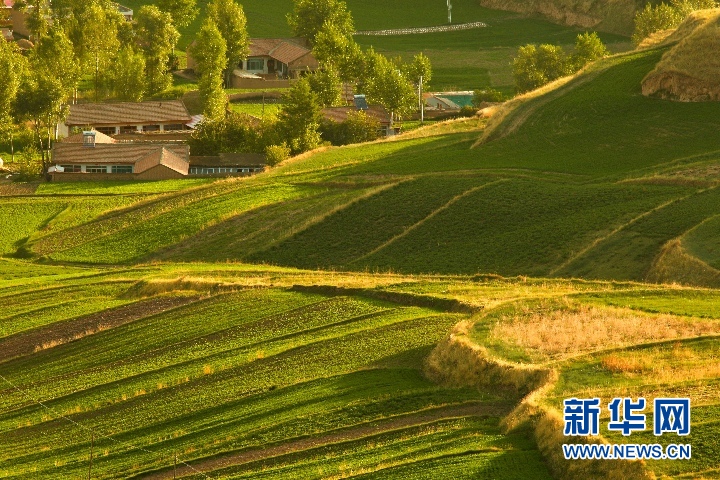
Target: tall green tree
[309, 16]
[232, 24]
[327, 86]
[386, 85]
[42, 100]
[334, 47]
[127, 75]
[53, 54]
[209, 52]
[94, 33]
[157, 36]
[15, 66]
[420, 67]
[183, 12]
[299, 119]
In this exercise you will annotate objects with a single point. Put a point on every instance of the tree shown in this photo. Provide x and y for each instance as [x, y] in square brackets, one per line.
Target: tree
[53, 54]
[420, 67]
[127, 75]
[183, 12]
[94, 33]
[210, 54]
[386, 85]
[232, 133]
[535, 66]
[232, 24]
[157, 36]
[357, 128]
[588, 48]
[299, 118]
[488, 95]
[37, 13]
[334, 47]
[309, 16]
[326, 84]
[42, 100]
[14, 65]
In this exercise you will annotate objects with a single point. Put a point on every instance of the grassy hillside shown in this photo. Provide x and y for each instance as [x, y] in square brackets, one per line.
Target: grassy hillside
[241, 382]
[599, 345]
[239, 371]
[591, 180]
[463, 60]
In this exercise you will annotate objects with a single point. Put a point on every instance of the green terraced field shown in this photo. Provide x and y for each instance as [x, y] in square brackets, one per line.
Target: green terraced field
[339, 377]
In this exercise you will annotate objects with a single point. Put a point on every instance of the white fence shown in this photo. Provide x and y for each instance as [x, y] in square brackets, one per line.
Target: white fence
[412, 31]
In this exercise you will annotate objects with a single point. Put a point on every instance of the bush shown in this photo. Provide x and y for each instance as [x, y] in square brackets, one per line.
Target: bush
[467, 111]
[358, 128]
[588, 48]
[274, 154]
[489, 95]
[535, 66]
[663, 16]
[234, 133]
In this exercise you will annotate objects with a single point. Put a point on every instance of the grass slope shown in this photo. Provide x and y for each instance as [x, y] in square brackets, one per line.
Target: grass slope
[332, 382]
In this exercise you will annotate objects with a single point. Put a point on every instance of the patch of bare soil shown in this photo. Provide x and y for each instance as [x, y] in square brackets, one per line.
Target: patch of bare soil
[26, 343]
[672, 85]
[344, 435]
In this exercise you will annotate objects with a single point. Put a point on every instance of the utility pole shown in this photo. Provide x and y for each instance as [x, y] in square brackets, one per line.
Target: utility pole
[175, 466]
[449, 5]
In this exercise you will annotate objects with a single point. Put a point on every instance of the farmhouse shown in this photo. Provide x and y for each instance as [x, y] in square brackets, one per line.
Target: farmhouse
[93, 155]
[378, 112]
[273, 60]
[127, 117]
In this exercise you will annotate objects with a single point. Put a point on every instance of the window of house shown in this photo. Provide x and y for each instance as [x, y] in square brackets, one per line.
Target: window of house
[194, 170]
[96, 169]
[106, 130]
[128, 129]
[121, 169]
[71, 168]
[151, 128]
[175, 126]
[255, 64]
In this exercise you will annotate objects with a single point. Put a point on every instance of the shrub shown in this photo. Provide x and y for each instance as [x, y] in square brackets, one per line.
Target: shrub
[488, 95]
[535, 66]
[274, 154]
[358, 128]
[588, 48]
[663, 16]
[467, 111]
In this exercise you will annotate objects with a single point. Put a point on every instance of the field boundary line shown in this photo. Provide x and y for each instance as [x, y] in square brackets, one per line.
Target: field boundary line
[618, 229]
[432, 214]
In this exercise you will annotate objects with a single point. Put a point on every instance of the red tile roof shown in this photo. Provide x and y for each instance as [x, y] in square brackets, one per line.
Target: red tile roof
[99, 138]
[113, 153]
[128, 113]
[280, 49]
[340, 114]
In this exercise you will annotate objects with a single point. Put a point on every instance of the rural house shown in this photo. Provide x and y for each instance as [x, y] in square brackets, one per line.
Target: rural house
[94, 156]
[127, 117]
[271, 60]
[378, 112]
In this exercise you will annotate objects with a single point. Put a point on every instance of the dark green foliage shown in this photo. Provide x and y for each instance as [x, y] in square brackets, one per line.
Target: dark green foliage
[358, 128]
[232, 133]
[537, 65]
[310, 16]
[127, 75]
[229, 17]
[489, 95]
[588, 48]
[299, 118]
[157, 37]
[665, 16]
[209, 51]
[182, 12]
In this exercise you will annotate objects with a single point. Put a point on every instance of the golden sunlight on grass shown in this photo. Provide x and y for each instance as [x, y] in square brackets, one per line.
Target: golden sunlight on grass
[577, 329]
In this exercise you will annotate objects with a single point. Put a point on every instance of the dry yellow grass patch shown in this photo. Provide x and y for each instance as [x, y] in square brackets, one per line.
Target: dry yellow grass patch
[577, 329]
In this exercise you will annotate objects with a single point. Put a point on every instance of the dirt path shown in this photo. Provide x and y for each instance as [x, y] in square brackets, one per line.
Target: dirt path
[26, 343]
[345, 435]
